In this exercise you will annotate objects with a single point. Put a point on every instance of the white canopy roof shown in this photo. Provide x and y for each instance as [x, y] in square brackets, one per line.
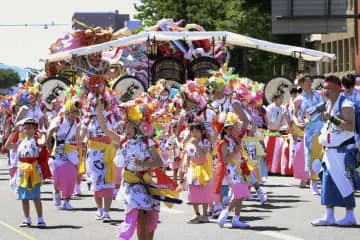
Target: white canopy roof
[231, 38]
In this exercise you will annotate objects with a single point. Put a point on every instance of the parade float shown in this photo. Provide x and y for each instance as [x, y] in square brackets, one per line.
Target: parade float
[134, 62]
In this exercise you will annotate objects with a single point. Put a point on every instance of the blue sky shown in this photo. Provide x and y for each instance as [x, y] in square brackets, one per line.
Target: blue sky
[24, 46]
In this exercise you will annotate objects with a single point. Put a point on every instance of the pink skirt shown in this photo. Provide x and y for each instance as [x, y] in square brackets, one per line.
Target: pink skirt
[175, 165]
[65, 179]
[118, 177]
[213, 197]
[200, 194]
[240, 191]
[12, 171]
[105, 193]
[299, 164]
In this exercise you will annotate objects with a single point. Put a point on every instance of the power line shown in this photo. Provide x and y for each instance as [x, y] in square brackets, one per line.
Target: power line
[45, 25]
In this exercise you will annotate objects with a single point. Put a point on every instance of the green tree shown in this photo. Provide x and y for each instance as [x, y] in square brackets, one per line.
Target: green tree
[247, 17]
[8, 78]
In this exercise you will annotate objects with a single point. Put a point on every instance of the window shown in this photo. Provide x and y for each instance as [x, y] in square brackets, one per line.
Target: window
[352, 54]
[340, 51]
[346, 55]
[331, 62]
[324, 65]
[334, 46]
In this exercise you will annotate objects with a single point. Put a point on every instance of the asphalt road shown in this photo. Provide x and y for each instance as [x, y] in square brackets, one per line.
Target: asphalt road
[287, 215]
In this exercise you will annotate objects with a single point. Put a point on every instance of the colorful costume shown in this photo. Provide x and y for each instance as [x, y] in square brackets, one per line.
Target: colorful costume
[28, 176]
[337, 187]
[100, 155]
[312, 148]
[138, 196]
[274, 142]
[65, 158]
[236, 172]
[199, 174]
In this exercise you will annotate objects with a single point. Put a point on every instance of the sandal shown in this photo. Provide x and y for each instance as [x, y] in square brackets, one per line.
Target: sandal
[41, 224]
[25, 224]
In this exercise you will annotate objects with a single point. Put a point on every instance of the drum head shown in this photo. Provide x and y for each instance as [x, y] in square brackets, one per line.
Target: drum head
[275, 85]
[129, 86]
[53, 89]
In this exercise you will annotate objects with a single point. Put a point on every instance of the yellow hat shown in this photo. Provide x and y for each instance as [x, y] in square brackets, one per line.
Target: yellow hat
[69, 106]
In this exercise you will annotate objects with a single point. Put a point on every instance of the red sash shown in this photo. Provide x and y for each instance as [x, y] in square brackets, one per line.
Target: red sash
[28, 160]
[220, 167]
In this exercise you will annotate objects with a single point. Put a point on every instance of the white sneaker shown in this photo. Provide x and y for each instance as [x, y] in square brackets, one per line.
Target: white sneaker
[239, 224]
[57, 200]
[67, 206]
[323, 222]
[251, 197]
[262, 196]
[314, 188]
[226, 200]
[222, 218]
[346, 222]
[77, 191]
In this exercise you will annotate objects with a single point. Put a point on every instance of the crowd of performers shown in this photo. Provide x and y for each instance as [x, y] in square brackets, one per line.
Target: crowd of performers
[214, 134]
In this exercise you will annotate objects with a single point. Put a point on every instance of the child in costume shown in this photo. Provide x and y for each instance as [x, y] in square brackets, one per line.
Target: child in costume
[100, 151]
[138, 156]
[173, 146]
[231, 166]
[28, 175]
[255, 152]
[64, 161]
[198, 171]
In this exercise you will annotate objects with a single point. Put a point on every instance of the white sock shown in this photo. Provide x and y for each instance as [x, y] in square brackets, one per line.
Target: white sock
[41, 219]
[106, 214]
[349, 214]
[217, 206]
[57, 196]
[235, 218]
[224, 213]
[329, 213]
[116, 191]
[100, 211]
[28, 219]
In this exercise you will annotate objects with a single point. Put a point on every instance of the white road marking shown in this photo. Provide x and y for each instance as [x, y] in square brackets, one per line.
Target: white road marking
[169, 210]
[278, 235]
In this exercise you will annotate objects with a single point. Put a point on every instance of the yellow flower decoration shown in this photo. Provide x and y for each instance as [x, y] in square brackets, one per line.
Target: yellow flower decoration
[232, 118]
[202, 80]
[134, 114]
[69, 106]
[220, 82]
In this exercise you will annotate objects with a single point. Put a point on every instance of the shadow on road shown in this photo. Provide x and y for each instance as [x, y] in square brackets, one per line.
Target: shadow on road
[86, 195]
[249, 218]
[51, 199]
[284, 196]
[274, 200]
[116, 222]
[47, 192]
[275, 185]
[94, 209]
[254, 210]
[267, 228]
[61, 227]
[267, 206]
